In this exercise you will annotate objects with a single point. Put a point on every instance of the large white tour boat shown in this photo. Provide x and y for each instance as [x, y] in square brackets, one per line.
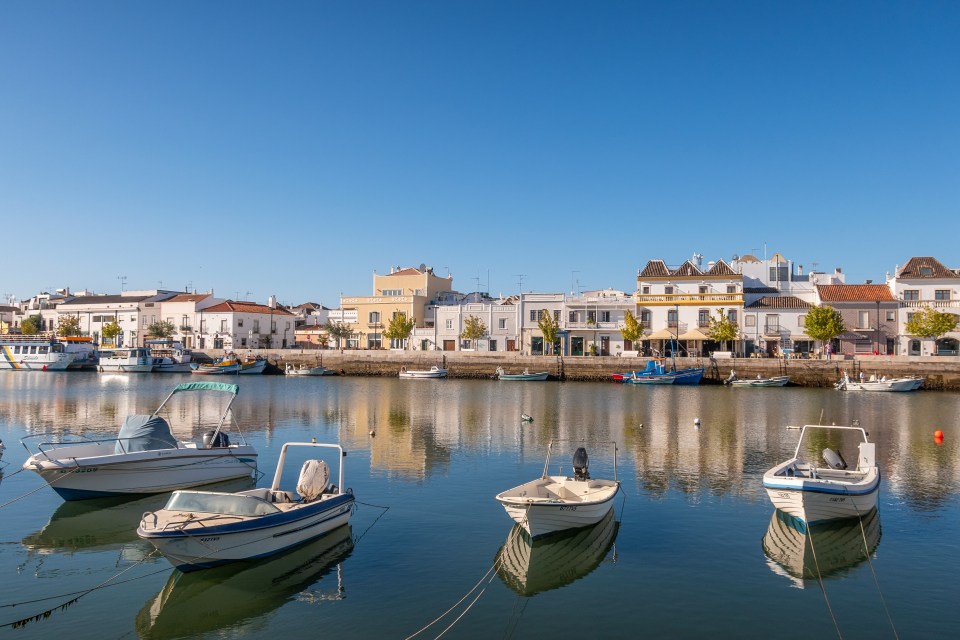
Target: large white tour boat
[33, 353]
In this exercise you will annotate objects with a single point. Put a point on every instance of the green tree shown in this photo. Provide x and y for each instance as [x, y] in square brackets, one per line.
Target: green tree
[110, 332]
[31, 325]
[161, 329]
[549, 328]
[68, 326]
[338, 331]
[722, 329]
[631, 330]
[399, 328]
[473, 328]
[823, 323]
[928, 323]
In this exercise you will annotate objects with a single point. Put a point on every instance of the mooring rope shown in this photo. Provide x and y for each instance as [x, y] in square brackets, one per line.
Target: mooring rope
[823, 588]
[33, 491]
[866, 548]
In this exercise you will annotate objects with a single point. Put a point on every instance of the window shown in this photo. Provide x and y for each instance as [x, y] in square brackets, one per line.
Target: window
[556, 316]
[239, 322]
[772, 323]
[572, 316]
[256, 326]
[592, 317]
[534, 315]
[703, 288]
[750, 321]
[926, 271]
[492, 345]
[910, 317]
[400, 314]
[703, 318]
[891, 316]
[941, 294]
[374, 317]
[672, 318]
[731, 288]
[448, 323]
[393, 292]
[778, 273]
[668, 290]
[911, 294]
[223, 324]
[604, 316]
[144, 323]
[502, 324]
[801, 320]
[645, 317]
[732, 316]
[863, 319]
[646, 290]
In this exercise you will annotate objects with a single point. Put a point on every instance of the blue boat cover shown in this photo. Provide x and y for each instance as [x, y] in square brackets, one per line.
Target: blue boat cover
[144, 433]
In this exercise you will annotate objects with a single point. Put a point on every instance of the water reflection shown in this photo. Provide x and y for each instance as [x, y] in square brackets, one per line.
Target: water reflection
[225, 598]
[826, 549]
[531, 567]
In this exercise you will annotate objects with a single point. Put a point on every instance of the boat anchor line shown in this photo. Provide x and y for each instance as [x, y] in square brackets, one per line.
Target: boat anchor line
[33, 491]
[492, 572]
[866, 547]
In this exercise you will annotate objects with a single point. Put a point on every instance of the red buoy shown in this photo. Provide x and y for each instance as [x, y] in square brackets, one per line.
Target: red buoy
[938, 435]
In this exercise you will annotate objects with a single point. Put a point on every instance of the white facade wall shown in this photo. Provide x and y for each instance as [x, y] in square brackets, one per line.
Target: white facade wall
[925, 290]
[449, 323]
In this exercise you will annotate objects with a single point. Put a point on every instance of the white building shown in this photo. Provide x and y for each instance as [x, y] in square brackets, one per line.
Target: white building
[185, 311]
[926, 282]
[247, 325]
[133, 311]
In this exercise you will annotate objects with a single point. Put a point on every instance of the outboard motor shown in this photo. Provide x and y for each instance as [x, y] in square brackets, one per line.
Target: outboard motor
[834, 459]
[215, 440]
[581, 465]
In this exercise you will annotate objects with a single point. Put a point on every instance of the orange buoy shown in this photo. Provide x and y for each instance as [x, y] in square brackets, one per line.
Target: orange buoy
[938, 434]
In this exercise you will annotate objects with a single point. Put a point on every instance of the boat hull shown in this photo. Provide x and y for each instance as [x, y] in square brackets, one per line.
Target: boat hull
[538, 507]
[34, 362]
[812, 500]
[523, 377]
[778, 381]
[420, 375]
[96, 472]
[190, 548]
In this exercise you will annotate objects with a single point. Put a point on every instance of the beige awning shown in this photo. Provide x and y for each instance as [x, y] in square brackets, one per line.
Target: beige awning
[662, 334]
[694, 334]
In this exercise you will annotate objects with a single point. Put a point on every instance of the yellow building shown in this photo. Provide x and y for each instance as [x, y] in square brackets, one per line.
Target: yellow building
[410, 291]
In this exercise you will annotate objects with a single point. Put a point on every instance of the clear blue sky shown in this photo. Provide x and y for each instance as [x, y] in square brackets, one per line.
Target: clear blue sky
[292, 148]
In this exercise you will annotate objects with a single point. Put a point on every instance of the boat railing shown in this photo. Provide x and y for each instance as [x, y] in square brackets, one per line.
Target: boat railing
[283, 456]
[76, 439]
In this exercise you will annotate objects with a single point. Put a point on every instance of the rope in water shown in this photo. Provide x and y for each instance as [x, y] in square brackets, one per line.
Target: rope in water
[33, 491]
[866, 548]
[823, 589]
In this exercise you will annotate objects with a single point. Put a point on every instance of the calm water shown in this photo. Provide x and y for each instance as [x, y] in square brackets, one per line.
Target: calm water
[688, 554]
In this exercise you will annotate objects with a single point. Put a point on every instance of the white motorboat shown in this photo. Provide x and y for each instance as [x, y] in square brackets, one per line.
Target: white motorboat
[304, 370]
[145, 457]
[526, 376]
[813, 493]
[530, 566]
[200, 529]
[556, 503]
[231, 364]
[125, 360]
[170, 356]
[33, 353]
[880, 384]
[801, 552]
[432, 372]
[773, 381]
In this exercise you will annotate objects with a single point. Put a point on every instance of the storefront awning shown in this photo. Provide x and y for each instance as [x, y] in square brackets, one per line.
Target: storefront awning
[694, 334]
[662, 334]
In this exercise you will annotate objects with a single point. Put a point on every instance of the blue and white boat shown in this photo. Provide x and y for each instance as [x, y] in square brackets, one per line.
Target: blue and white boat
[200, 529]
[815, 492]
[656, 373]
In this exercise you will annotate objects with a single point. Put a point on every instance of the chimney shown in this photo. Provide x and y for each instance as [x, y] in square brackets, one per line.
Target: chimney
[272, 302]
[837, 270]
[868, 282]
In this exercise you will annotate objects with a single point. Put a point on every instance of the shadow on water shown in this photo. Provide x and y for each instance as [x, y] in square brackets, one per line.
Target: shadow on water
[828, 549]
[531, 567]
[227, 597]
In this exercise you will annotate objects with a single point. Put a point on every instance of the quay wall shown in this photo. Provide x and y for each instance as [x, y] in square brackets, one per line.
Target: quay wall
[940, 373]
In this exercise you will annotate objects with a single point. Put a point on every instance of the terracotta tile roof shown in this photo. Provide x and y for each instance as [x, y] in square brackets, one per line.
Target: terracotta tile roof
[855, 293]
[687, 269]
[779, 302]
[721, 268]
[245, 307]
[925, 267]
[749, 258]
[655, 269]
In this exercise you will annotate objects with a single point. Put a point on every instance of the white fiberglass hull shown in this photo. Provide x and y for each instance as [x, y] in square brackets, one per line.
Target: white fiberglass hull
[124, 368]
[827, 497]
[557, 503]
[34, 362]
[82, 471]
[433, 373]
[196, 542]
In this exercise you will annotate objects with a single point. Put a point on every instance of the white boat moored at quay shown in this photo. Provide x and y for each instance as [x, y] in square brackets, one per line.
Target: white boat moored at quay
[432, 372]
[125, 360]
[33, 353]
[145, 457]
[816, 492]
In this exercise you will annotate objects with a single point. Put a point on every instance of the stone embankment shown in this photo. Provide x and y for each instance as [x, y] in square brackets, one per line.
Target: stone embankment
[939, 373]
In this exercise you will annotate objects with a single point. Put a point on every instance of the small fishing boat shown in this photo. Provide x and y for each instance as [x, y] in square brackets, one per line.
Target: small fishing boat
[525, 376]
[125, 360]
[811, 552]
[145, 457]
[880, 384]
[231, 364]
[200, 529]
[33, 353]
[524, 417]
[657, 373]
[556, 503]
[304, 370]
[530, 566]
[775, 381]
[432, 372]
[814, 492]
[170, 356]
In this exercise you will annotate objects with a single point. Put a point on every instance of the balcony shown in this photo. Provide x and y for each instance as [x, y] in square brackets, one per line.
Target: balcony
[186, 329]
[689, 299]
[936, 304]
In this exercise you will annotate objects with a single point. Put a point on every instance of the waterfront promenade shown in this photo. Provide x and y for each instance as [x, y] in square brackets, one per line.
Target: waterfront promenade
[940, 373]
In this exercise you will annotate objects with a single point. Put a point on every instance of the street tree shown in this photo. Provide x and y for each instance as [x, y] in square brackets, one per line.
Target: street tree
[632, 330]
[161, 329]
[722, 329]
[930, 324]
[31, 325]
[110, 332]
[549, 328]
[339, 331]
[473, 329]
[400, 327]
[823, 323]
[68, 326]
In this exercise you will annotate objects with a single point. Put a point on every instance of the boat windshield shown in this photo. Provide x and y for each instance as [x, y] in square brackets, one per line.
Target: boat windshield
[225, 503]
